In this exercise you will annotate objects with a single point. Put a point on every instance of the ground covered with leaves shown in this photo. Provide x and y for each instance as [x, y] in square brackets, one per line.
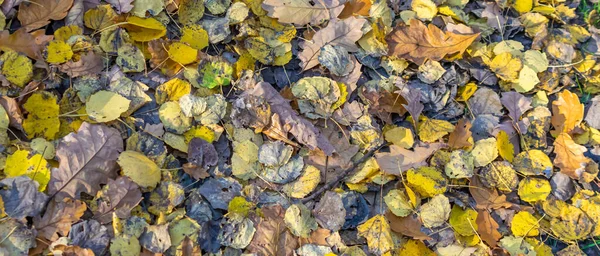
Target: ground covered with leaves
[297, 127]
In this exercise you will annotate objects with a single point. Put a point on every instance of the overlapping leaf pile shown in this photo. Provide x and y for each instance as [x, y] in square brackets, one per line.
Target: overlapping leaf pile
[296, 127]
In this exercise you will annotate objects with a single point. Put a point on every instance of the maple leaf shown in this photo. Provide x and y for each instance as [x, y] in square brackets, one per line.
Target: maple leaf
[569, 156]
[302, 12]
[87, 159]
[58, 218]
[418, 42]
[38, 13]
[343, 33]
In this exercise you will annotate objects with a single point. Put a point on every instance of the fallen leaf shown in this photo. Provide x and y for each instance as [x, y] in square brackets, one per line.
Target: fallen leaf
[117, 196]
[302, 12]
[355, 8]
[58, 218]
[342, 33]
[105, 106]
[38, 13]
[139, 168]
[88, 64]
[20, 41]
[87, 159]
[567, 112]
[487, 198]
[487, 228]
[409, 226]
[461, 136]
[418, 42]
[569, 156]
[378, 234]
[400, 159]
[43, 115]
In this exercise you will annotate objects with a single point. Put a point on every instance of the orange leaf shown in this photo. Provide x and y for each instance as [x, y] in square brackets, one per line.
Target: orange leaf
[408, 226]
[356, 7]
[20, 41]
[569, 156]
[38, 13]
[567, 112]
[418, 42]
[487, 228]
[486, 198]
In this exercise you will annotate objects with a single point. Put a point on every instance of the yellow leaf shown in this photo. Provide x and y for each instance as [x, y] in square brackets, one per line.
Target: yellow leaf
[534, 189]
[100, 17]
[16, 68]
[144, 29]
[64, 33]
[244, 62]
[239, 206]
[465, 92]
[505, 147]
[182, 53]
[528, 79]
[367, 170]
[398, 203]
[427, 181]
[139, 168]
[200, 131]
[463, 221]
[400, 136]
[173, 119]
[533, 162]
[304, 184]
[415, 247]
[58, 52]
[172, 90]
[105, 106]
[425, 9]
[378, 234]
[35, 167]
[567, 112]
[43, 116]
[569, 156]
[524, 224]
[506, 67]
[195, 36]
[431, 130]
[523, 6]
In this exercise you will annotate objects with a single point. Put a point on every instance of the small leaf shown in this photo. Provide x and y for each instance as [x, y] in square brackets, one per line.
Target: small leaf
[139, 168]
[105, 106]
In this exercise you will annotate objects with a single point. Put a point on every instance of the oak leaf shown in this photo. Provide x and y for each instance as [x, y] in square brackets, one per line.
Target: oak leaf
[38, 13]
[418, 42]
[87, 159]
[567, 112]
[343, 33]
[569, 156]
[302, 12]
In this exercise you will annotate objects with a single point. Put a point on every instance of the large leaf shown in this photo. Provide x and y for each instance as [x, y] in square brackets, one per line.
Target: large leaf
[58, 218]
[87, 159]
[418, 42]
[21, 197]
[569, 156]
[272, 237]
[38, 13]
[302, 12]
[343, 33]
[20, 41]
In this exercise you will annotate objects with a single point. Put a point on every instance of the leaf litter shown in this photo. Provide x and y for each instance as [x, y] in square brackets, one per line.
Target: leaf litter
[294, 127]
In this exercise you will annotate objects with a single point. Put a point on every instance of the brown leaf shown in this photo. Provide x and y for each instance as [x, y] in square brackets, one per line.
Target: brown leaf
[122, 6]
[414, 105]
[569, 156]
[400, 159]
[87, 159]
[356, 7]
[408, 226]
[272, 237]
[58, 218]
[38, 13]
[418, 42]
[341, 159]
[195, 171]
[337, 33]
[383, 103]
[90, 63]
[160, 57]
[459, 138]
[118, 196]
[486, 198]
[318, 237]
[20, 41]
[487, 228]
[14, 112]
[303, 12]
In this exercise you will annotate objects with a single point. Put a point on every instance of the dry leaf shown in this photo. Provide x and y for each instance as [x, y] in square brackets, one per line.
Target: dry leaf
[302, 12]
[569, 156]
[20, 41]
[343, 33]
[409, 226]
[356, 7]
[567, 112]
[461, 136]
[486, 198]
[58, 218]
[418, 42]
[487, 228]
[400, 159]
[38, 13]
[90, 63]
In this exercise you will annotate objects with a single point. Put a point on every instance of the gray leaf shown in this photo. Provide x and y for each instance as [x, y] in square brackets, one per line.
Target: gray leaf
[156, 238]
[330, 212]
[21, 197]
[90, 234]
[220, 191]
